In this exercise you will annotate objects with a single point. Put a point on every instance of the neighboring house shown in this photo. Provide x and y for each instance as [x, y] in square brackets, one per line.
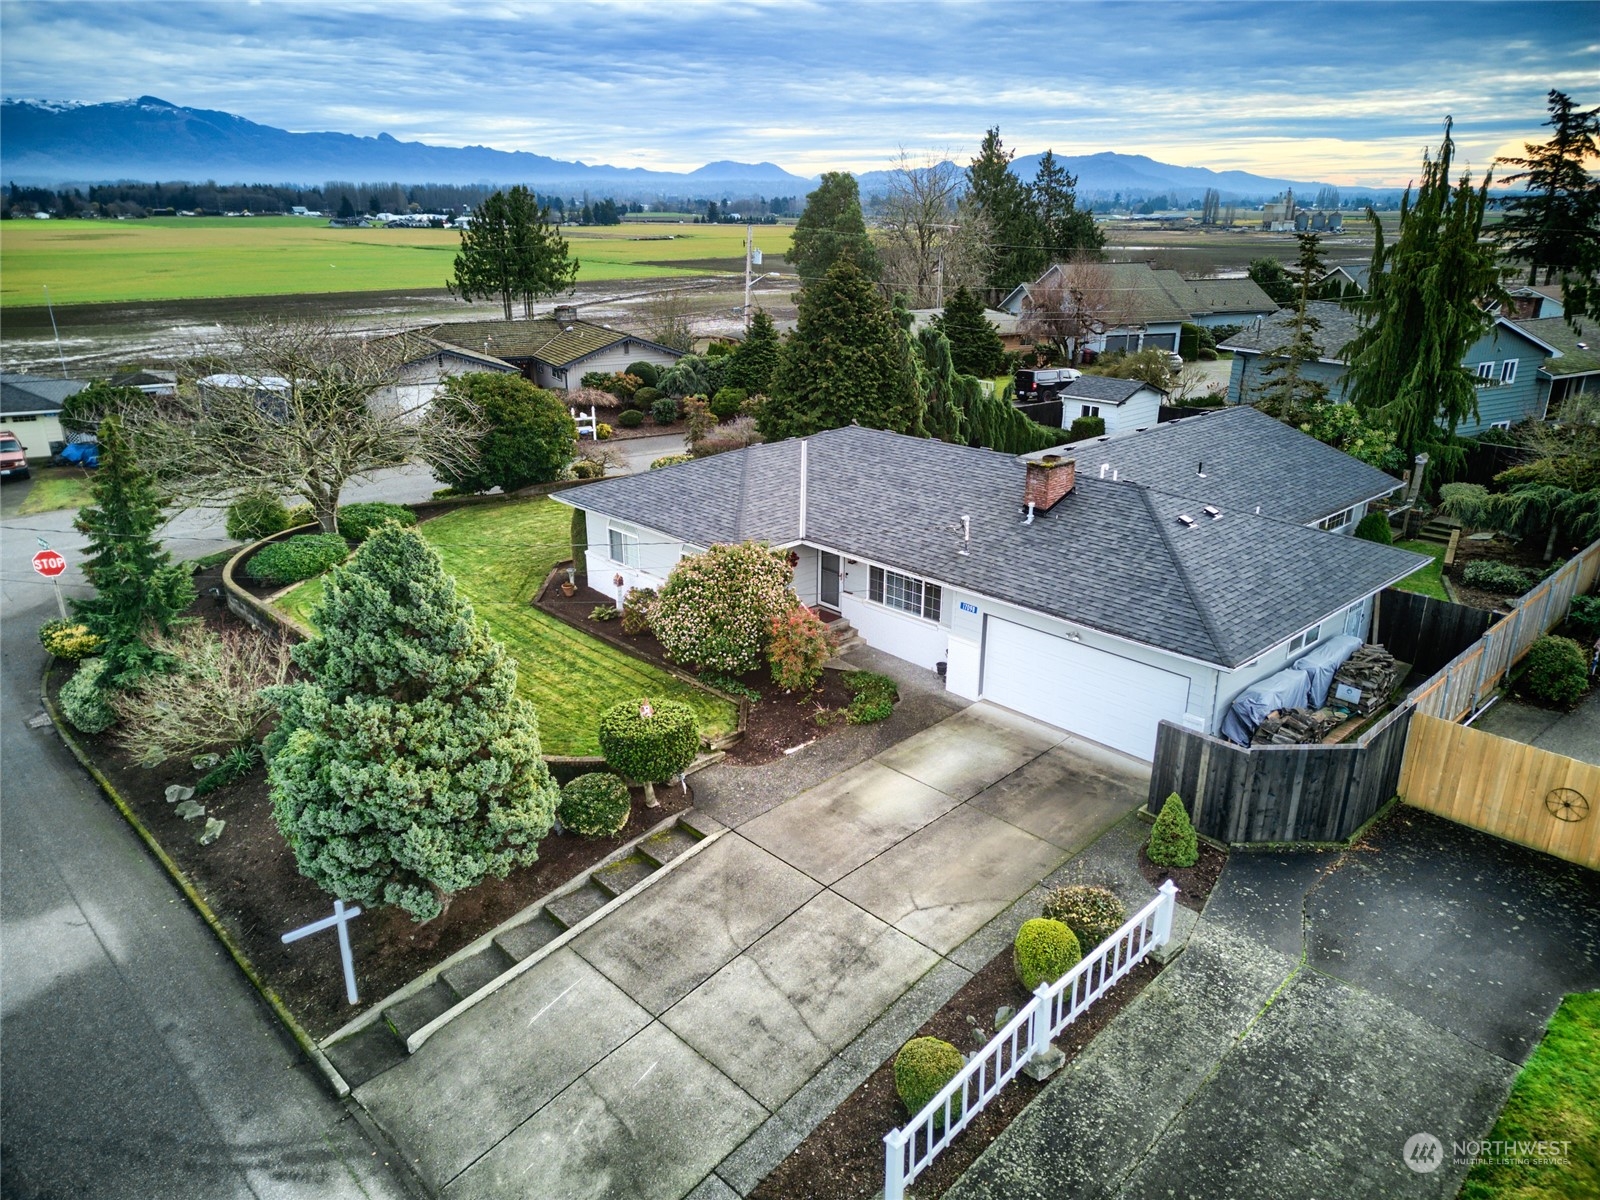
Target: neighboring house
[1533, 301]
[428, 363]
[1215, 302]
[1125, 405]
[30, 406]
[1506, 361]
[559, 350]
[1142, 308]
[1007, 325]
[1097, 601]
[1347, 276]
[151, 383]
[1574, 369]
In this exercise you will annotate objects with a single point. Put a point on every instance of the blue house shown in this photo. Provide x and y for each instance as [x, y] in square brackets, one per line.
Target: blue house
[1506, 362]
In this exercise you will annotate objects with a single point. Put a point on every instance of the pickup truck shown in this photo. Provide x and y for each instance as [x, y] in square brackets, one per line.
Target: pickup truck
[13, 456]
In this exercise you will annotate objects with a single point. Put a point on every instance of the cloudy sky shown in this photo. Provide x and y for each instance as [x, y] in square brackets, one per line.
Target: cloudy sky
[1347, 92]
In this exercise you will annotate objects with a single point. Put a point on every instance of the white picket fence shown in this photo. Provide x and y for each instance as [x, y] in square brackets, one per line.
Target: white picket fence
[908, 1151]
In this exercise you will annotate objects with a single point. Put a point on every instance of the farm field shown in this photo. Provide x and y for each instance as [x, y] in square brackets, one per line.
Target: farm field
[500, 555]
[173, 258]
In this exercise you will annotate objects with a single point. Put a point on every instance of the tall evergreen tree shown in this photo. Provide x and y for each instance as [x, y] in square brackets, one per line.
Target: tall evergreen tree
[1064, 228]
[1291, 396]
[511, 251]
[843, 364]
[1015, 253]
[832, 228]
[1429, 301]
[975, 345]
[943, 388]
[1555, 223]
[405, 767]
[755, 360]
[138, 588]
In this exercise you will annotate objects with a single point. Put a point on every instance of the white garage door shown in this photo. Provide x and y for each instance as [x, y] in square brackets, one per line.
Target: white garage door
[1106, 698]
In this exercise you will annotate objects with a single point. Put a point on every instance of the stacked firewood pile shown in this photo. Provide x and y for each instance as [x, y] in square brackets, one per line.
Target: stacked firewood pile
[1294, 726]
[1373, 672]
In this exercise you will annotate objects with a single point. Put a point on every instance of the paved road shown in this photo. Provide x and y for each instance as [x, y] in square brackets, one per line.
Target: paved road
[135, 1060]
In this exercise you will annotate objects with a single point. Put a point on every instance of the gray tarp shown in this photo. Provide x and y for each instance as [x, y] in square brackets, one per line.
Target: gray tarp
[1289, 688]
[1323, 661]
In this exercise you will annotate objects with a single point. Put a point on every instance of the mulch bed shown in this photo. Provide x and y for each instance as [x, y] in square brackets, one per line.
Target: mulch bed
[1194, 883]
[780, 721]
[250, 880]
[842, 1158]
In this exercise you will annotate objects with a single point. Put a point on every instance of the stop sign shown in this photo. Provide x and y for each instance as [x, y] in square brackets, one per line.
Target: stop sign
[49, 564]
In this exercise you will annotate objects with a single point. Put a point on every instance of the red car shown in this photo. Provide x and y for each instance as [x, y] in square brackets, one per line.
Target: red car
[13, 456]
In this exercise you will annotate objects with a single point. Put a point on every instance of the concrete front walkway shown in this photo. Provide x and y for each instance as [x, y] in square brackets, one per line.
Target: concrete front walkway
[1327, 1008]
[712, 1020]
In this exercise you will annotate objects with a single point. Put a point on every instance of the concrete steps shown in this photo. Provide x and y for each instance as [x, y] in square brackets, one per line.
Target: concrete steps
[1438, 530]
[842, 634]
[495, 959]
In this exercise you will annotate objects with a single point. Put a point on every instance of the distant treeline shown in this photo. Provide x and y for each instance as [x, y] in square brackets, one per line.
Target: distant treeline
[129, 198]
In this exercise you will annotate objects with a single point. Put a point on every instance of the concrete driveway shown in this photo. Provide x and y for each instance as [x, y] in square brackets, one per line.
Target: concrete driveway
[678, 1036]
[1575, 734]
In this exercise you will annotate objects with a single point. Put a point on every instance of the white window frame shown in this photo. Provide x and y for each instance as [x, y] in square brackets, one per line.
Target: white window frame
[1499, 424]
[1089, 410]
[1508, 371]
[1306, 637]
[905, 594]
[627, 540]
[1485, 374]
[1338, 520]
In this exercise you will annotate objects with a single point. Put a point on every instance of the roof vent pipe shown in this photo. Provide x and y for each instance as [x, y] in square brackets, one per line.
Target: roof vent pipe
[1029, 521]
[1104, 467]
[966, 534]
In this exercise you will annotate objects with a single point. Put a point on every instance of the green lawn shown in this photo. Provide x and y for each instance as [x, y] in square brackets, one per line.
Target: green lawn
[500, 554]
[1556, 1098]
[171, 258]
[53, 488]
[1429, 581]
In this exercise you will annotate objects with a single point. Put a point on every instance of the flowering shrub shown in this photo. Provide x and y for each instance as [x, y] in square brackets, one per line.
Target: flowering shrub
[798, 649]
[649, 740]
[717, 608]
[637, 607]
[70, 640]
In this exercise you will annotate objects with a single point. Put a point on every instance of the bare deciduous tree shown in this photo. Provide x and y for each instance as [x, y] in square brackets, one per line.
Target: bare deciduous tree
[295, 407]
[669, 320]
[924, 228]
[1074, 303]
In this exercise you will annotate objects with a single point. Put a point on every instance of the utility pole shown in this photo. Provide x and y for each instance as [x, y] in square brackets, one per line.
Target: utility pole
[938, 278]
[749, 245]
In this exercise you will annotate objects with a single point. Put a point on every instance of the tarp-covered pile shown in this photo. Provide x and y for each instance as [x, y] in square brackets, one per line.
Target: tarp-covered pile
[1323, 661]
[1287, 689]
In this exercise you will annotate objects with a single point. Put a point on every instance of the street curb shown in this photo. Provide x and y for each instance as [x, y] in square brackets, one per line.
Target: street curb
[335, 1081]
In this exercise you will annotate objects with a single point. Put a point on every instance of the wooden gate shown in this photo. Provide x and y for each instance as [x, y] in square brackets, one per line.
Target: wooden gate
[1542, 800]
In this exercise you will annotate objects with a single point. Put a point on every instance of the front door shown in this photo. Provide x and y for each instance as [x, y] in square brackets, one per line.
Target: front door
[828, 588]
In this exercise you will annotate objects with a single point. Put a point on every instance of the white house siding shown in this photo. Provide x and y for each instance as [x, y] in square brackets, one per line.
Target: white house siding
[1142, 410]
[807, 579]
[657, 554]
[419, 382]
[611, 359]
[922, 642]
[35, 431]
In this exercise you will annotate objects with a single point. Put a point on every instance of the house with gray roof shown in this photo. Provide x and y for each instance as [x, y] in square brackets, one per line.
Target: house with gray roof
[1125, 405]
[30, 406]
[1574, 367]
[1505, 363]
[559, 350]
[1055, 584]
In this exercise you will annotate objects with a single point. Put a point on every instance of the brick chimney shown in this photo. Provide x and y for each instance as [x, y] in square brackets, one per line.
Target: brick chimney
[1050, 477]
[565, 314]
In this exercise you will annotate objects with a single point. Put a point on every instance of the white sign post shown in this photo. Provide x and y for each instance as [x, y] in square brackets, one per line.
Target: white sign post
[50, 564]
[342, 916]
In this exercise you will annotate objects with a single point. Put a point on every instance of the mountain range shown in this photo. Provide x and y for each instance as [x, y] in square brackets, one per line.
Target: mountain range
[50, 143]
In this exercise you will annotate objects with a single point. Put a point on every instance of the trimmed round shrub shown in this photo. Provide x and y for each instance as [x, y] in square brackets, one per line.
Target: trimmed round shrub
[645, 397]
[649, 740]
[70, 640]
[256, 515]
[588, 468]
[630, 418]
[637, 607]
[1374, 527]
[301, 557]
[716, 609]
[1172, 839]
[595, 805]
[357, 521]
[1092, 913]
[1044, 951]
[664, 411]
[1556, 671]
[1501, 578]
[648, 373]
[83, 699]
[670, 460]
[728, 401]
[603, 432]
[923, 1066]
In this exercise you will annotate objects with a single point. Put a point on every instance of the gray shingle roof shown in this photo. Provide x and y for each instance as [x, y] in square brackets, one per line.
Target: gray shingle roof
[21, 394]
[1580, 352]
[1110, 556]
[1249, 459]
[1102, 389]
[1216, 297]
[1339, 327]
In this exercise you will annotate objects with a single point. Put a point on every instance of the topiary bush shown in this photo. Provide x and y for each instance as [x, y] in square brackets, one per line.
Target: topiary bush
[650, 741]
[70, 640]
[1374, 527]
[1501, 578]
[256, 515]
[1172, 839]
[1092, 913]
[83, 698]
[1555, 671]
[798, 648]
[716, 609]
[357, 521]
[1044, 951]
[647, 373]
[1585, 616]
[670, 460]
[873, 697]
[603, 432]
[637, 607]
[664, 411]
[644, 398]
[1086, 427]
[630, 418]
[921, 1069]
[595, 805]
[728, 402]
[301, 557]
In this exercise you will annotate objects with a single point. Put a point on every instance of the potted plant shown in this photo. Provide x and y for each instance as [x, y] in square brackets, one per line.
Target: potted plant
[570, 585]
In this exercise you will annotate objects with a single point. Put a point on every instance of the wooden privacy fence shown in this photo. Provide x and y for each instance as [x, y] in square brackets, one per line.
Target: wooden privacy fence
[1425, 632]
[1513, 791]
